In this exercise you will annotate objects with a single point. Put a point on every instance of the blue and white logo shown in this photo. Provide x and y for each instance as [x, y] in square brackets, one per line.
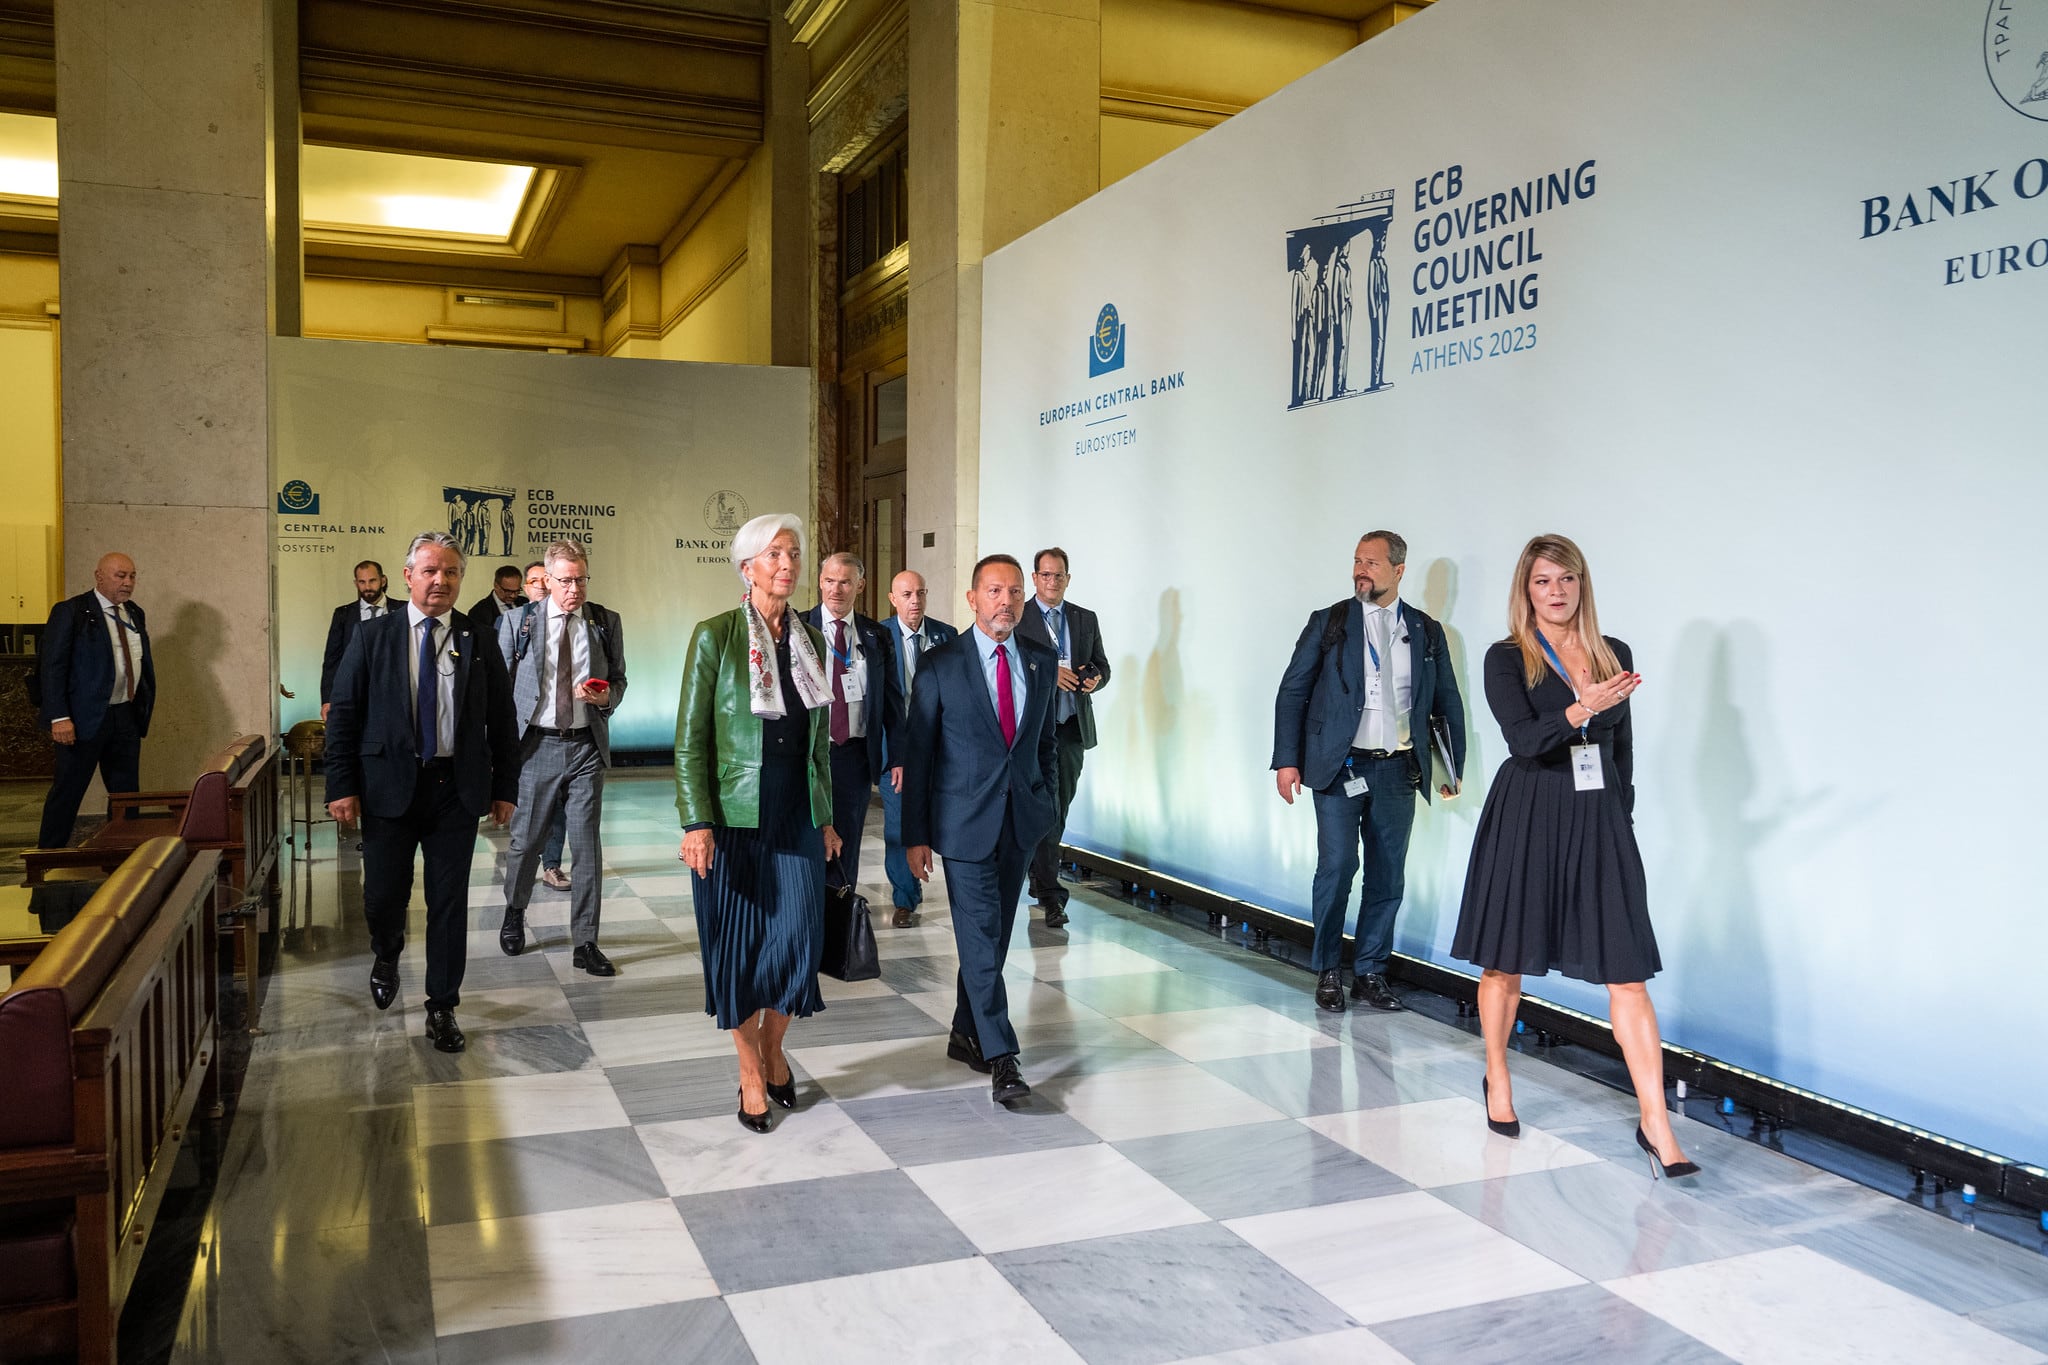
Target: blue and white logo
[1106, 343]
[2016, 54]
[1338, 325]
[480, 519]
[297, 499]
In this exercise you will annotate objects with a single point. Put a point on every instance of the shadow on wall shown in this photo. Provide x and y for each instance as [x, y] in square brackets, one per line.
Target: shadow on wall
[1443, 829]
[192, 718]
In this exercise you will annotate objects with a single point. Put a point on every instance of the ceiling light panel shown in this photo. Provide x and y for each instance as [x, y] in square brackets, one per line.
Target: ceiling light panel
[400, 193]
[28, 157]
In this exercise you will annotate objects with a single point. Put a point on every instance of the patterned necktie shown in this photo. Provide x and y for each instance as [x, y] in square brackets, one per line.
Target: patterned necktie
[1006, 709]
[916, 655]
[842, 723]
[429, 700]
[127, 658]
[565, 663]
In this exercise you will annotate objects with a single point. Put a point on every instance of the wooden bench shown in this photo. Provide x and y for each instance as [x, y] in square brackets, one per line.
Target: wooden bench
[233, 808]
[110, 1046]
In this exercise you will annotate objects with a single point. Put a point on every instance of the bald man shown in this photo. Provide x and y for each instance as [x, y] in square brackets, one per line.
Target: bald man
[911, 633]
[98, 686]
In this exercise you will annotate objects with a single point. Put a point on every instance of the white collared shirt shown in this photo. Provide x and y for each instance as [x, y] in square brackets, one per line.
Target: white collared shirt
[446, 649]
[986, 647]
[366, 612]
[1378, 727]
[914, 643]
[855, 662]
[114, 615]
[547, 677]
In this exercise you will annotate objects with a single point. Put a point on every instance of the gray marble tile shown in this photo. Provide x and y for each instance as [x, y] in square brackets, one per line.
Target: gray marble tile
[1067, 1048]
[818, 1229]
[468, 1182]
[1326, 1080]
[912, 974]
[632, 998]
[1604, 1220]
[670, 907]
[1766, 1188]
[1927, 1255]
[872, 1020]
[958, 1125]
[2026, 1323]
[1545, 1096]
[1562, 1327]
[311, 1298]
[700, 1087]
[1259, 1168]
[497, 971]
[503, 1052]
[308, 1169]
[701, 1332]
[1146, 993]
[1165, 1295]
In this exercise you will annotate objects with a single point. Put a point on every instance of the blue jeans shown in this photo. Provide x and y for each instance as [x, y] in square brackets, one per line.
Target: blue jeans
[557, 835]
[907, 891]
[1379, 822]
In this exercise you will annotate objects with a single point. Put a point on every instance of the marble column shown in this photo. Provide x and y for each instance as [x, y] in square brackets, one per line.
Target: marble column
[1005, 134]
[165, 119]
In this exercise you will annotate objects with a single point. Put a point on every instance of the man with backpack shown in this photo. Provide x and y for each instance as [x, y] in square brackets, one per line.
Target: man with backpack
[1370, 683]
[567, 658]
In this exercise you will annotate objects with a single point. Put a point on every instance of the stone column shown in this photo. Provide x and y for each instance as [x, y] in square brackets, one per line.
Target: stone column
[165, 112]
[779, 207]
[1005, 134]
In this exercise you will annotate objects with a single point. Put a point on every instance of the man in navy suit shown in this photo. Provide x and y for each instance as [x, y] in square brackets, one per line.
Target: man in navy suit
[978, 786]
[910, 633]
[370, 603]
[1073, 633]
[867, 704]
[1352, 723]
[422, 742]
[99, 687]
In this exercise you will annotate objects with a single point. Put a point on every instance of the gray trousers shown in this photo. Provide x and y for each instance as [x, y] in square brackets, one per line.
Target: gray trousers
[561, 773]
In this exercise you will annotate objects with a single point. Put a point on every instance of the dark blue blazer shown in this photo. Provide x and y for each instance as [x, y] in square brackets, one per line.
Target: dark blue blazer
[936, 633]
[1322, 697]
[962, 790]
[79, 669]
[885, 681]
[372, 751]
[340, 631]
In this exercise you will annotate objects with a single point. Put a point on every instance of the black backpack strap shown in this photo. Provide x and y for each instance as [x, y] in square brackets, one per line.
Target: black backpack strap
[525, 640]
[1333, 625]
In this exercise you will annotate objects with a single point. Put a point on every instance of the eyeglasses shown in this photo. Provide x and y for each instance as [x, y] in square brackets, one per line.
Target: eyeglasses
[582, 582]
[1051, 577]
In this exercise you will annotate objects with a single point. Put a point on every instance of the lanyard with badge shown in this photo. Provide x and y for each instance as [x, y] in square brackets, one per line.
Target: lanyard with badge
[1354, 785]
[853, 681]
[1586, 772]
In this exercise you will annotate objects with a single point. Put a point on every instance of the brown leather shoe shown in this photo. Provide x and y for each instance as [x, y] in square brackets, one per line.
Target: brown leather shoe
[903, 919]
[555, 877]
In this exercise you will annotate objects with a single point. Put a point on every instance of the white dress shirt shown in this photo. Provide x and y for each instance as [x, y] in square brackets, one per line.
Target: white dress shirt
[987, 649]
[367, 612]
[1379, 727]
[549, 648]
[445, 649]
[856, 663]
[914, 643]
[114, 615]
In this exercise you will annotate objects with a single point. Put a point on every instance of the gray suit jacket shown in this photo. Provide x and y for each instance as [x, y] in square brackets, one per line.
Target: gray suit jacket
[516, 631]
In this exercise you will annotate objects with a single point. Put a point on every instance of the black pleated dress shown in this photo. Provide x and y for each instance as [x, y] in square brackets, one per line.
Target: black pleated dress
[1556, 882]
[761, 912]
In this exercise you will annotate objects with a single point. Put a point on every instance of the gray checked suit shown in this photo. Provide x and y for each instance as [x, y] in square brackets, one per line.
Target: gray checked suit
[560, 770]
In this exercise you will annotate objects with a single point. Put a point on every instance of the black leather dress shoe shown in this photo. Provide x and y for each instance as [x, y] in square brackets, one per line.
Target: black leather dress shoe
[591, 959]
[961, 1048]
[443, 1032]
[1372, 988]
[784, 1094]
[1055, 916]
[1006, 1082]
[384, 982]
[759, 1123]
[512, 933]
[1330, 991]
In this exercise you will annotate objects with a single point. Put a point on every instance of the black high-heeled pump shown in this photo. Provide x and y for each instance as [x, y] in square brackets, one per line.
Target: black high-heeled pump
[757, 1122]
[1658, 1166]
[784, 1094]
[1508, 1128]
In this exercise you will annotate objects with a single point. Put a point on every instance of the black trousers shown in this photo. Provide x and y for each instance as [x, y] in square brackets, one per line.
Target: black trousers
[1045, 861]
[439, 826]
[116, 752]
[853, 784]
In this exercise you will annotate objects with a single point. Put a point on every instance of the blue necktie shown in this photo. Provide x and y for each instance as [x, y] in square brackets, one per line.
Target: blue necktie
[429, 693]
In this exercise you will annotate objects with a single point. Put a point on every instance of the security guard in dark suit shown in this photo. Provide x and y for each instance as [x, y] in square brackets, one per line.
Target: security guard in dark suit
[98, 688]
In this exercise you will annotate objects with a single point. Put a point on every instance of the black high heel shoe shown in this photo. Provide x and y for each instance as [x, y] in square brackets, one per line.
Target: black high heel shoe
[784, 1094]
[1509, 1128]
[758, 1122]
[1658, 1166]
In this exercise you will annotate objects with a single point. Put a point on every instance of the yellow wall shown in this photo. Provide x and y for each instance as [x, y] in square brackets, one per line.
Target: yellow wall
[31, 541]
[372, 310]
[705, 287]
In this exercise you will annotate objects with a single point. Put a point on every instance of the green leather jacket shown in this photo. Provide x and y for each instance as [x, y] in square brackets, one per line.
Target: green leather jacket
[718, 737]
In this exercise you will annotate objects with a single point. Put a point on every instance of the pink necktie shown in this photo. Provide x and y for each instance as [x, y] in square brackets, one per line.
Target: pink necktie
[1006, 710]
[842, 723]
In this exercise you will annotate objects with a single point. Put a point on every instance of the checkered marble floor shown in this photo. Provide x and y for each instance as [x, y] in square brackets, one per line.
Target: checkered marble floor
[1208, 1169]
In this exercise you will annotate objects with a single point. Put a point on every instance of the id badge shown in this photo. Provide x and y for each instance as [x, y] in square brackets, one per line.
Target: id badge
[853, 682]
[1372, 691]
[1355, 787]
[1586, 774]
[1066, 663]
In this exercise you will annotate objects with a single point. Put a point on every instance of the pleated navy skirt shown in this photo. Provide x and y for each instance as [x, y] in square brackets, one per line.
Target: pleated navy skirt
[761, 912]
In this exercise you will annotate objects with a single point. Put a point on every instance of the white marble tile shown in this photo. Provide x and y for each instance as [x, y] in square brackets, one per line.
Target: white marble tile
[1070, 961]
[565, 1264]
[514, 1007]
[1399, 1256]
[938, 1004]
[894, 1066]
[660, 883]
[515, 1106]
[950, 1312]
[1181, 1098]
[640, 1039]
[1006, 1203]
[1793, 1305]
[1358, 1346]
[1229, 1031]
[1444, 1142]
[932, 936]
[832, 988]
[694, 1156]
[640, 961]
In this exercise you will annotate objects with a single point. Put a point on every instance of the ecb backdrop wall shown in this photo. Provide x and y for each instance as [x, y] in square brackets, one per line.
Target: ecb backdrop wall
[1751, 299]
[652, 464]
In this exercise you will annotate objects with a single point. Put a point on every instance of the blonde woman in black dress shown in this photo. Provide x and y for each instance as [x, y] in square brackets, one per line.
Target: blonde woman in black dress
[1556, 882]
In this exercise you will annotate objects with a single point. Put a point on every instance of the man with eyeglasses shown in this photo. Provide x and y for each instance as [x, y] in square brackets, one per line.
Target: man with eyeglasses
[552, 874]
[97, 686]
[1074, 635]
[567, 657]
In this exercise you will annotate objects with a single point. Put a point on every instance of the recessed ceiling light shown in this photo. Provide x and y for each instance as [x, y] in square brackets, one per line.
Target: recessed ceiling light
[401, 193]
[28, 157]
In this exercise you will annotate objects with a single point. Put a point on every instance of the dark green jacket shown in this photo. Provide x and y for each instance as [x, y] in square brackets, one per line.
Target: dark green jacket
[718, 737]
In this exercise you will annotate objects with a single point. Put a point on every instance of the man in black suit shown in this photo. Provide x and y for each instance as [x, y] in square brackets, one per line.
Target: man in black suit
[1072, 633]
[978, 786]
[507, 591]
[370, 603]
[867, 705]
[421, 742]
[98, 689]
[910, 633]
[1369, 680]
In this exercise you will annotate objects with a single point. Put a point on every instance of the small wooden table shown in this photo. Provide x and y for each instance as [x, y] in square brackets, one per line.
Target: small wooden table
[30, 916]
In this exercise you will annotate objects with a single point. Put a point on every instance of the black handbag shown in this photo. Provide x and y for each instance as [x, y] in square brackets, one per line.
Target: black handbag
[849, 938]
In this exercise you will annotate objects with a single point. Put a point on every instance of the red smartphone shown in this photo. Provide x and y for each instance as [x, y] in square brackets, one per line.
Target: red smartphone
[597, 684]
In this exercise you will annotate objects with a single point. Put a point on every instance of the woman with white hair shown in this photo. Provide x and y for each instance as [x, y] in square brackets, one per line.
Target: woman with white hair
[754, 789]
